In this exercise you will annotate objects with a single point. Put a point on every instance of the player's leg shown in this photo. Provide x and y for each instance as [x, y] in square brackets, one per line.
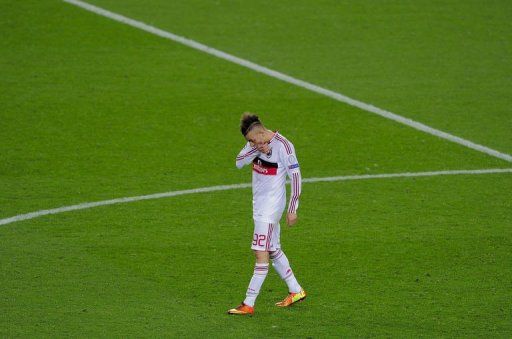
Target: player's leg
[260, 245]
[282, 266]
[258, 277]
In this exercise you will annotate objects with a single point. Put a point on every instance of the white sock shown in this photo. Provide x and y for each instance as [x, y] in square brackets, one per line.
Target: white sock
[282, 267]
[258, 277]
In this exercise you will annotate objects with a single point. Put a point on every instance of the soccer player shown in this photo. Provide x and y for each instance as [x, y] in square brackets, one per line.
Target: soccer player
[273, 158]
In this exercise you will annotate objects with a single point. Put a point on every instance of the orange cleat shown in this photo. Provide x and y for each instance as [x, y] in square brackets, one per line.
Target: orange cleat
[292, 298]
[243, 309]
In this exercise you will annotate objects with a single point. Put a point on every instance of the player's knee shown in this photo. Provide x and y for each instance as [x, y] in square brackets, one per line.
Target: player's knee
[274, 254]
[261, 256]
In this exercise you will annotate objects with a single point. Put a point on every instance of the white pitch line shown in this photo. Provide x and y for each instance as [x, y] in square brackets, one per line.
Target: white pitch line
[286, 78]
[87, 205]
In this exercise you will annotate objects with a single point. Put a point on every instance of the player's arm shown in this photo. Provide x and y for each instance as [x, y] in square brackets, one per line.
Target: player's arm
[246, 155]
[293, 171]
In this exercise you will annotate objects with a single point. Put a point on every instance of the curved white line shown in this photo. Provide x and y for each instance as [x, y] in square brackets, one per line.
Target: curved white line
[86, 205]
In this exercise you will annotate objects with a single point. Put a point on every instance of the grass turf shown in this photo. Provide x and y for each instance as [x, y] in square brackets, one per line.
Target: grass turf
[93, 110]
[378, 258]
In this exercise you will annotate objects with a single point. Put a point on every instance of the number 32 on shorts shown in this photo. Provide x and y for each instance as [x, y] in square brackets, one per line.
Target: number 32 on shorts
[259, 239]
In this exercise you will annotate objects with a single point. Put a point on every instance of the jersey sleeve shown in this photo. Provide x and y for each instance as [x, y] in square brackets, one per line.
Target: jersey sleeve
[289, 159]
[246, 155]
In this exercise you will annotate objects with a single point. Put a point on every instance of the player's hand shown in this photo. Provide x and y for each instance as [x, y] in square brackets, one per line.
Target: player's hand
[291, 218]
[264, 148]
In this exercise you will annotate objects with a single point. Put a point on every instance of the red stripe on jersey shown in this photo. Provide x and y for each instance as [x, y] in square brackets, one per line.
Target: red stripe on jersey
[297, 192]
[287, 147]
[267, 245]
[294, 197]
[262, 170]
[240, 157]
[285, 143]
[264, 167]
[271, 234]
[296, 188]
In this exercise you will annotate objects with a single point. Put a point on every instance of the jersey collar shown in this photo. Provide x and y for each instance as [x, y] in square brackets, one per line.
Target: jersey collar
[273, 137]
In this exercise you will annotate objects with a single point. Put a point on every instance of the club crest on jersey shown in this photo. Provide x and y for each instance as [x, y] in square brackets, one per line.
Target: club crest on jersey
[269, 154]
[264, 167]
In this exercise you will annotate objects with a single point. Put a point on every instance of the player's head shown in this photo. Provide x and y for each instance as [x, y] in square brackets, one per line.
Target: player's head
[252, 129]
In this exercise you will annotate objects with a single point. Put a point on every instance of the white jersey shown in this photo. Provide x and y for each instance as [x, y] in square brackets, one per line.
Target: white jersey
[269, 178]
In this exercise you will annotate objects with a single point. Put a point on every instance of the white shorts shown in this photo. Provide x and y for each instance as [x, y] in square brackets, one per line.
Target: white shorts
[266, 236]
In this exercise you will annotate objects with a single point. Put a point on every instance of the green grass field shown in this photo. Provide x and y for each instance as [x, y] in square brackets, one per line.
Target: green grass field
[92, 109]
